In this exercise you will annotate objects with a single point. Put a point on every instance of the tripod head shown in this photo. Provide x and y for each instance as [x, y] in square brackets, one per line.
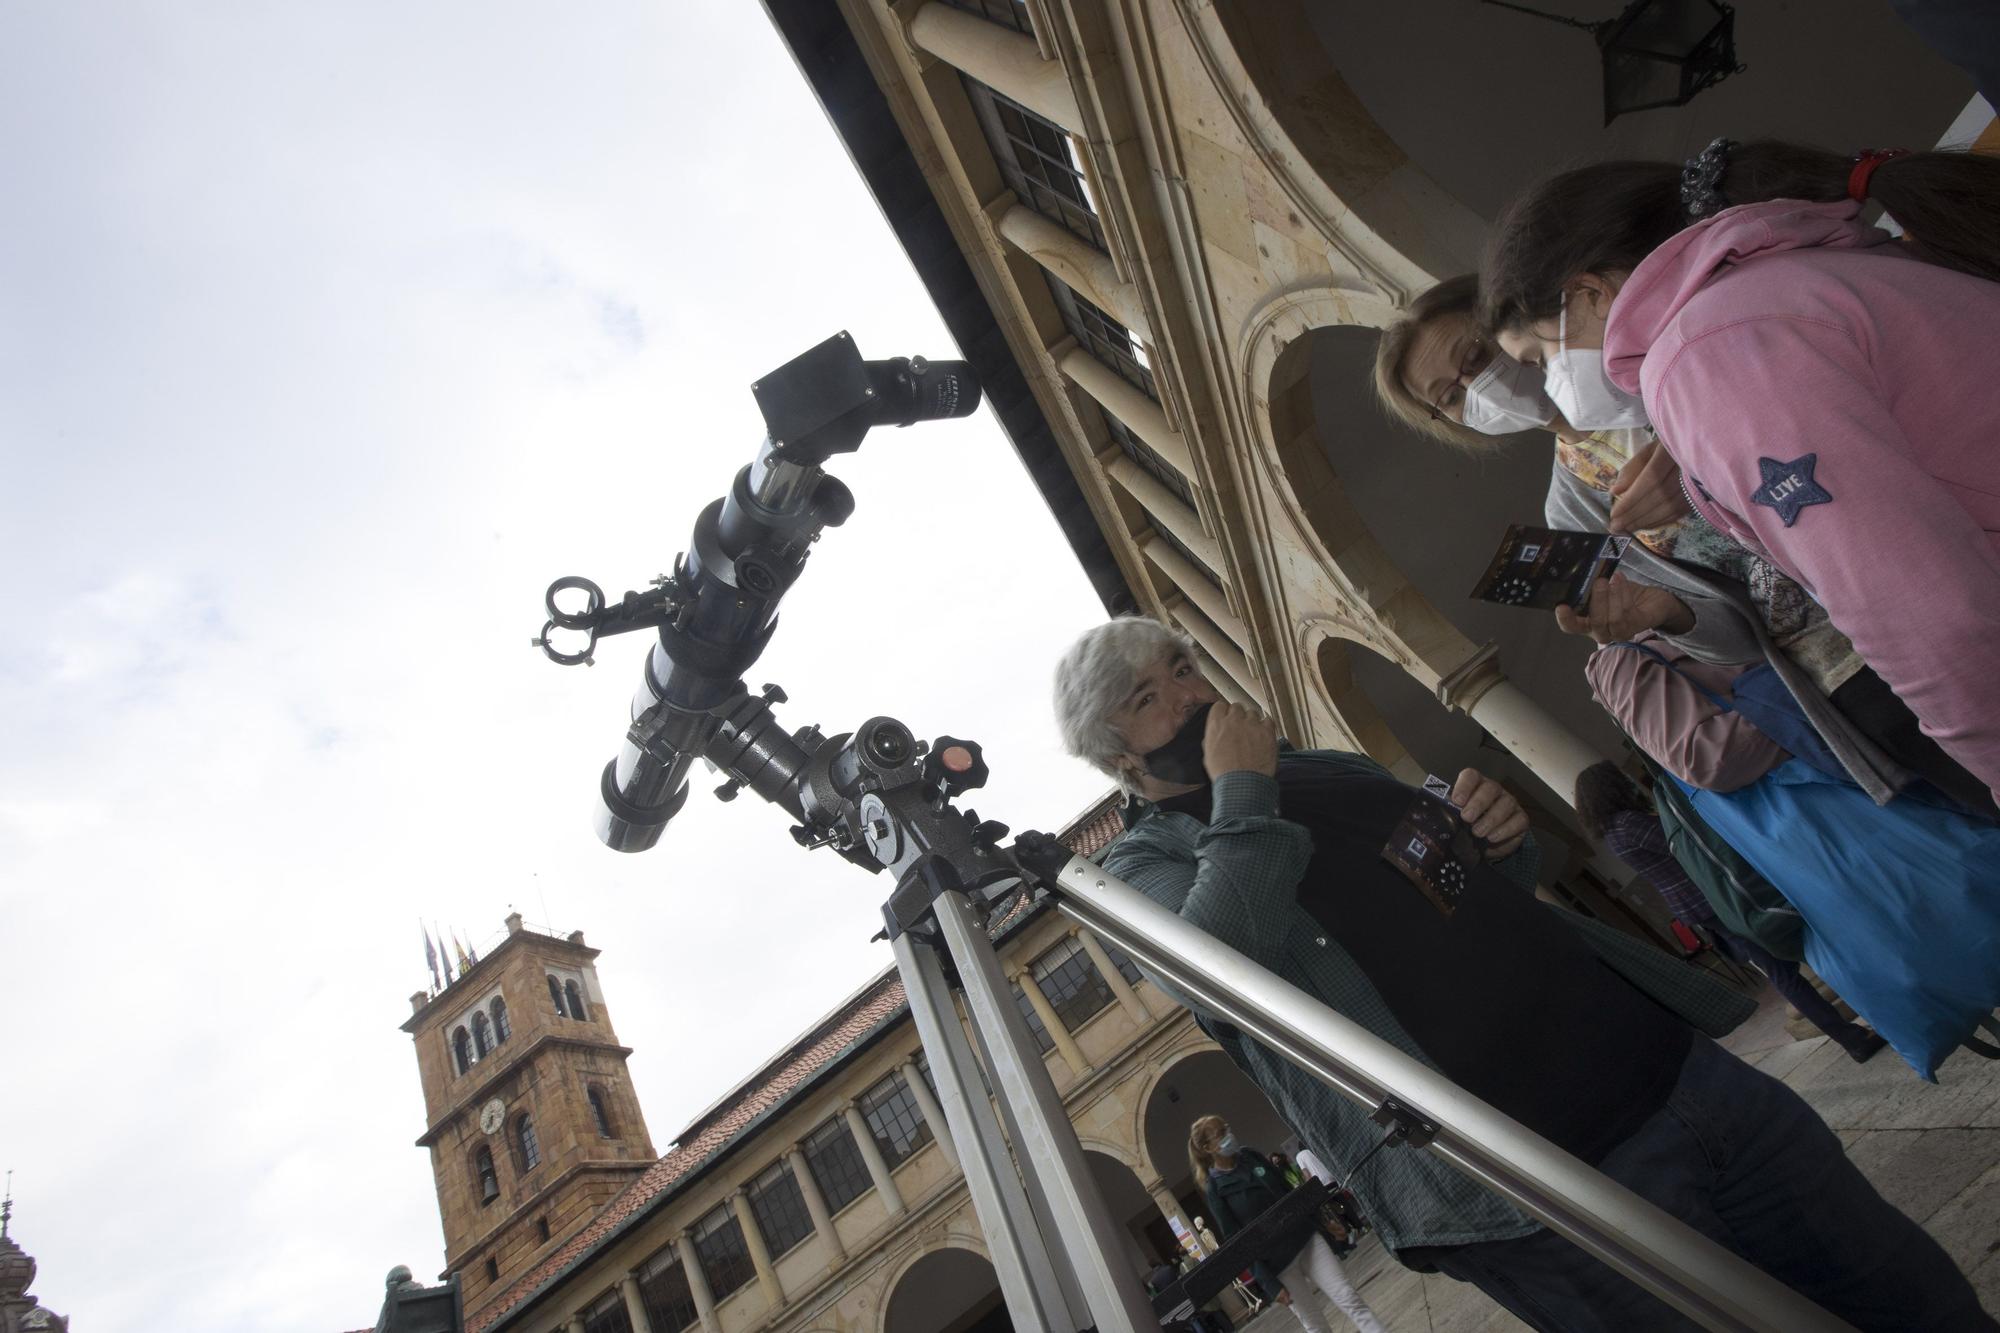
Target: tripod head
[718, 609]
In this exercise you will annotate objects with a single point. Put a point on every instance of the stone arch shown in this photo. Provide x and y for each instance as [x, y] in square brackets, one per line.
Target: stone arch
[1200, 1081]
[945, 1287]
[1148, 1237]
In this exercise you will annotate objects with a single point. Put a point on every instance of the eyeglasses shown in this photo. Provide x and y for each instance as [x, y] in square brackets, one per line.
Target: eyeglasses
[1474, 359]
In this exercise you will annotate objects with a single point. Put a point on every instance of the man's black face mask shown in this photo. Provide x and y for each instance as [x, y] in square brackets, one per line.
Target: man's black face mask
[1180, 759]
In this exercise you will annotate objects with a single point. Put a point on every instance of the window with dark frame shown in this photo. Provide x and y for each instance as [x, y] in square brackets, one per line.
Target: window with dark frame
[542, 1229]
[893, 1117]
[1037, 158]
[461, 1049]
[780, 1208]
[528, 1142]
[502, 1029]
[836, 1164]
[608, 1315]
[1186, 554]
[488, 1178]
[595, 1096]
[556, 995]
[725, 1258]
[1071, 982]
[492, 1269]
[1103, 337]
[1145, 456]
[576, 1009]
[1008, 13]
[482, 1036]
[1036, 1026]
[664, 1291]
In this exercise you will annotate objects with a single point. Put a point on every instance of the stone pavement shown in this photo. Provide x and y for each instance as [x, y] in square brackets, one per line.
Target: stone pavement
[1933, 1151]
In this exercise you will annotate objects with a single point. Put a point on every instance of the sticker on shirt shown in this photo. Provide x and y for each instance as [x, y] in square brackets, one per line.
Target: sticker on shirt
[1789, 487]
[1432, 846]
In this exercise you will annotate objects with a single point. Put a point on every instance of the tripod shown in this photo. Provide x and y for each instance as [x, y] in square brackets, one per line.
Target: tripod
[883, 800]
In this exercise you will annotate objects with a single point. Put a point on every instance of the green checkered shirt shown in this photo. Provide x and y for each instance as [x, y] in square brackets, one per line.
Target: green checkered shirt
[1237, 878]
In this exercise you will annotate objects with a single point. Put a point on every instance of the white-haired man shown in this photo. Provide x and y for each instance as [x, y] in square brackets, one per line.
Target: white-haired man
[1415, 917]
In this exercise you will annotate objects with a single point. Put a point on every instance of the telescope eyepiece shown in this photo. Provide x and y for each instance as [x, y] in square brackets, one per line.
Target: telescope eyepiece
[909, 389]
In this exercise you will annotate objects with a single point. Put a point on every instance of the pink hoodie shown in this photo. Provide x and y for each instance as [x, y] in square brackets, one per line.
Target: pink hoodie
[1836, 404]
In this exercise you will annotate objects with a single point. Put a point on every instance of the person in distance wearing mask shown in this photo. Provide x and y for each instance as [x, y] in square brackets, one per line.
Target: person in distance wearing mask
[1414, 915]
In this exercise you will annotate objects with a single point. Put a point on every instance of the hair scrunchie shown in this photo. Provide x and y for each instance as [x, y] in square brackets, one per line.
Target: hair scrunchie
[1865, 163]
[1700, 178]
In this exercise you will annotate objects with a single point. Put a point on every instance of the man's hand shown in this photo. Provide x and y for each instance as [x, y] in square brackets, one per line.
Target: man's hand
[1620, 608]
[1647, 493]
[1284, 1297]
[1239, 739]
[1492, 814]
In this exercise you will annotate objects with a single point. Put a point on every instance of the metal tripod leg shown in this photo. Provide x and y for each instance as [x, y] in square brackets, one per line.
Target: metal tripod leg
[1046, 1142]
[1014, 1239]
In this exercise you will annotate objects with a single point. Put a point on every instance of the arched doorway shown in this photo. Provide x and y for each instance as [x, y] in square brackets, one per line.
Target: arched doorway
[951, 1290]
[1202, 1083]
[1148, 1237]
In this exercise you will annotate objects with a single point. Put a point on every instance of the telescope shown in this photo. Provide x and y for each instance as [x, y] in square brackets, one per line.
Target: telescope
[883, 800]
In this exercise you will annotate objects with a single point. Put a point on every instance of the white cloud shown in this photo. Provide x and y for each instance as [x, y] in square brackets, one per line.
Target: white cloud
[331, 335]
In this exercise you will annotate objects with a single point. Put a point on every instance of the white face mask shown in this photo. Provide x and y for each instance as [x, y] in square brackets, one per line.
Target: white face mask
[1577, 383]
[1507, 397]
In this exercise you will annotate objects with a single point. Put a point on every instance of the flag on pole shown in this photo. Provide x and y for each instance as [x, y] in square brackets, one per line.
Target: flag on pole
[464, 963]
[431, 958]
[472, 953]
[444, 953]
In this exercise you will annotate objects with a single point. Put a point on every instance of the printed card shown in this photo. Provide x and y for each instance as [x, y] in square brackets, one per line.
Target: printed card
[1432, 846]
[1549, 567]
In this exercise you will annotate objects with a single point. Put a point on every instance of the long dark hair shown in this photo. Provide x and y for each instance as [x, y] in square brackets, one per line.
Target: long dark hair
[1609, 216]
[1602, 790]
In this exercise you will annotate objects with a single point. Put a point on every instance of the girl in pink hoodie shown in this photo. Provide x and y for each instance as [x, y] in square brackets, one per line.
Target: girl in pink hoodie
[1832, 399]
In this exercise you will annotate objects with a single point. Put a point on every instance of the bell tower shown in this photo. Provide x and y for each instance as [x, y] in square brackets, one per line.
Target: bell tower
[532, 1121]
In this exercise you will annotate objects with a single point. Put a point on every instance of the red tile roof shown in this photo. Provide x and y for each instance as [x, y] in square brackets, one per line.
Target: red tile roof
[873, 1007]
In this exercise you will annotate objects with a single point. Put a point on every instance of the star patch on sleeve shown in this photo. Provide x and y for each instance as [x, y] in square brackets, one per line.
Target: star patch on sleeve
[1789, 487]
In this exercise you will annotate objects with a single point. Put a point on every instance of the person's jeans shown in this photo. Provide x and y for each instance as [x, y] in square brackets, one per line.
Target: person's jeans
[1742, 1159]
[1315, 1280]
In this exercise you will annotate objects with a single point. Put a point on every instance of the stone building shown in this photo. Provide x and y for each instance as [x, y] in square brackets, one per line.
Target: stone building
[20, 1312]
[821, 1193]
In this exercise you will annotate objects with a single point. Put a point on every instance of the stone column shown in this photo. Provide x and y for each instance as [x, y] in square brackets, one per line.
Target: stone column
[1217, 645]
[704, 1299]
[760, 1253]
[635, 1306]
[1170, 1208]
[1007, 62]
[1196, 586]
[1166, 509]
[1549, 750]
[1141, 415]
[1120, 988]
[822, 1216]
[871, 1153]
[1072, 1053]
[927, 1102]
[1077, 264]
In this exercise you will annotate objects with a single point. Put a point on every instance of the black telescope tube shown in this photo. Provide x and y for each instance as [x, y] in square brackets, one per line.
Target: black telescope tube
[909, 389]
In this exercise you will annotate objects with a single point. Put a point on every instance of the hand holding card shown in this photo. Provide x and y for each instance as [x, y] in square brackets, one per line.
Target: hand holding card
[1491, 812]
[1548, 567]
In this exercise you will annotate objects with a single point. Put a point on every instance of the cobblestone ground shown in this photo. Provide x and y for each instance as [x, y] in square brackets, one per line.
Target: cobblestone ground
[1933, 1151]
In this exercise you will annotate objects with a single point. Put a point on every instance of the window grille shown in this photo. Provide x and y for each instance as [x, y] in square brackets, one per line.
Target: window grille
[1104, 337]
[1074, 988]
[1008, 13]
[530, 1144]
[780, 1209]
[836, 1164]
[894, 1119]
[725, 1258]
[1034, 1017]
[1037, 158]
[664, 1291]
[608, 1316]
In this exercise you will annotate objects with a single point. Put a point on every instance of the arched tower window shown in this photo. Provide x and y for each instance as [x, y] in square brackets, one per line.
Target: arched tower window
[556, 995]
[529, 1145]
[461, 1049]
[489, 1179]
[501, 1029]
[482, 1037]
[576, 1009]
[598, 1112]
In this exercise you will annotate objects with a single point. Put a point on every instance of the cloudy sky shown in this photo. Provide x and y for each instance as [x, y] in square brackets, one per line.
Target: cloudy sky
[329, 334]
